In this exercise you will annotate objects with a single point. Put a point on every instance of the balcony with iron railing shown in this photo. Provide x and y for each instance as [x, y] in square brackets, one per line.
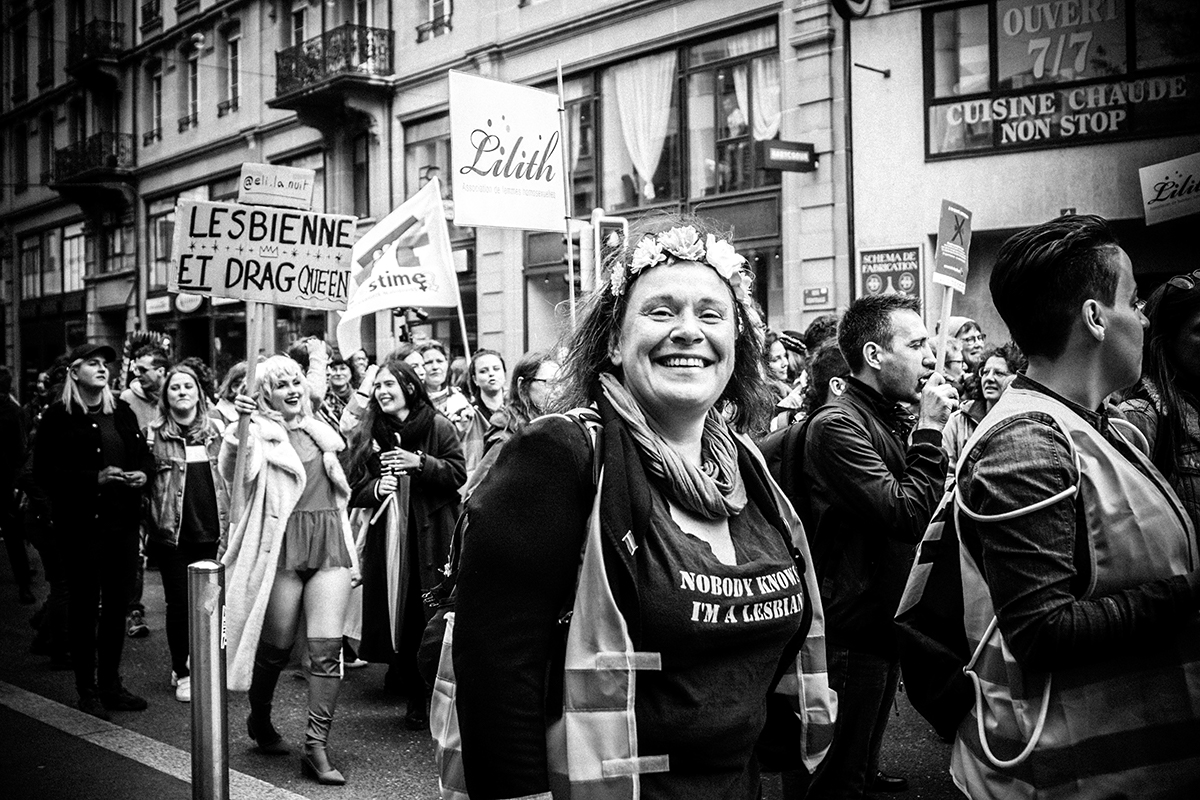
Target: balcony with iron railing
[189, 121]
[346, 57]
[151, 136]
[226, 107]
[100, 157]
[99, 40]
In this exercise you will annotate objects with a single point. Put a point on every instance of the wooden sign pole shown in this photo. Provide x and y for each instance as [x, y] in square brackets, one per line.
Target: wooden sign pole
[944, 329]
[253, 336]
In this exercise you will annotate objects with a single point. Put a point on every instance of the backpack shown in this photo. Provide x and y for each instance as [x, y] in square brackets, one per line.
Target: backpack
[783, 450]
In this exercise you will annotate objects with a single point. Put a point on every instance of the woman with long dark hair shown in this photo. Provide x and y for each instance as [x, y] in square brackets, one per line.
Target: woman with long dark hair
[529, 397]
[189, 504]
[406, 462]
[1165, 403]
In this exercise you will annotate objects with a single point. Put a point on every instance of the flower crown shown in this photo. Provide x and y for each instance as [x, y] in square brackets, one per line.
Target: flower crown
[684, 244]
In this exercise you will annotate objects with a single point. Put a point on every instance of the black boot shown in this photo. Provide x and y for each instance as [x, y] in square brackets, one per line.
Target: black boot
[324, 683]
[269, 661]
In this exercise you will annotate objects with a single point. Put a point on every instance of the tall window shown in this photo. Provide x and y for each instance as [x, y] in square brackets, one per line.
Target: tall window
[581, 142]
[20, 62]
[155, 107]
[190, 94]
[640, 132]
[733, 101]
[20, 156]
[46, 129]
[426, 156]
[362, 12]
[77, 119]
[362, 177]
[45, 47]
[296, 29]
[193, 83]
[233, 68]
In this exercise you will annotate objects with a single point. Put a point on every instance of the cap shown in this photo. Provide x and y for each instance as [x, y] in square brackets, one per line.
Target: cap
[956, 324]
[91, 349]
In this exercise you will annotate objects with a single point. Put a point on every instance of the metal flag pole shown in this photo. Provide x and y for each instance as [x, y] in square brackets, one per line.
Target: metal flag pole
[567, 199]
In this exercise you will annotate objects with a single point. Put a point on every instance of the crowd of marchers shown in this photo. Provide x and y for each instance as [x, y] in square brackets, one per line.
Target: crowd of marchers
[674, 549]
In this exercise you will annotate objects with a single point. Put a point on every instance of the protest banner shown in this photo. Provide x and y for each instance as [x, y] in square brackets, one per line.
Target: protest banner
[1171, 189]
[950, 264]
[405, 261]
[507, 148]
[259, 254]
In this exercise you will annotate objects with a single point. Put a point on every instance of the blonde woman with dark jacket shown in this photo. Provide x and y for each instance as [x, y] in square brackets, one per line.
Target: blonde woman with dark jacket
[189, 505]
[290, 550]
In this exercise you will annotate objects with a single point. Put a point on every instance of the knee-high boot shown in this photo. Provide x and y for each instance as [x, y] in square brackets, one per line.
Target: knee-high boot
[269, 661]
[324, 683]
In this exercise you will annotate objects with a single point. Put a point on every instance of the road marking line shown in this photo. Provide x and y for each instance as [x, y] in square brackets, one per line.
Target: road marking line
[130, 744]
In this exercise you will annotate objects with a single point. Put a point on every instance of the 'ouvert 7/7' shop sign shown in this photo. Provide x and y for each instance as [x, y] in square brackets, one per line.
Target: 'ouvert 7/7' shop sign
[281, 256]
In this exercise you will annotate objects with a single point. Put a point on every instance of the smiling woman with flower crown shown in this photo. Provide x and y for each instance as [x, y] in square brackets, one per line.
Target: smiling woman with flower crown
[693, 606]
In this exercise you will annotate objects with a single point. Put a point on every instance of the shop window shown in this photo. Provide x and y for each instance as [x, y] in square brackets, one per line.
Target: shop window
[119, 253]
[74, 257]
[52, 267]
[31, 266]
[1011, 75]
[162, 233]
[729, 107]
[640, 132]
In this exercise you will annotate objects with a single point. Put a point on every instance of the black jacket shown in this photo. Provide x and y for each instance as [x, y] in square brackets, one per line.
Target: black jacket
[67, 460]
[870, 497]
[520, 559]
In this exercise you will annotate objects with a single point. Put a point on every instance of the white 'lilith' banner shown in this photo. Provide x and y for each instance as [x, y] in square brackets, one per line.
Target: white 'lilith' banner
[404, 261]
[506, 148]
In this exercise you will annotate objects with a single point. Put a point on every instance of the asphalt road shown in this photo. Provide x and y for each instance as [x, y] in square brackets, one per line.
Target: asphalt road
[380, 758]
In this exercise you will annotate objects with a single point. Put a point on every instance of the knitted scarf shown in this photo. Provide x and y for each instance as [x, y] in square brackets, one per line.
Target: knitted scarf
[713, 490]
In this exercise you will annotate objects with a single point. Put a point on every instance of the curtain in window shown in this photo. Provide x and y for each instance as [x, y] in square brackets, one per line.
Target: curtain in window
[644, 89]
[764, 79]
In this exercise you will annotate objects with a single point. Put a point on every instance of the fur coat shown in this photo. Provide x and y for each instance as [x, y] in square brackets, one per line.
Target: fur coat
[273, 483]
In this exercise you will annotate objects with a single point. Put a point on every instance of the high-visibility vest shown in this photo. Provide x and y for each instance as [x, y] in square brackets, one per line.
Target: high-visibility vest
[1126, 726]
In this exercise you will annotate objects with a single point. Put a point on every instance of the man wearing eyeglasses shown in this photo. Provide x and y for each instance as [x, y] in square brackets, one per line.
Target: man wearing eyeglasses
[150, 367]
[1080, 578]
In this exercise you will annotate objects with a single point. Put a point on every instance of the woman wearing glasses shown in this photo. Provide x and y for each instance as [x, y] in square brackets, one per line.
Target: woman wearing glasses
[1165, 403]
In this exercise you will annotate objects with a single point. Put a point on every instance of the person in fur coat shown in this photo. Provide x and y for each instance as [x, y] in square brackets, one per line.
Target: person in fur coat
[290, 549]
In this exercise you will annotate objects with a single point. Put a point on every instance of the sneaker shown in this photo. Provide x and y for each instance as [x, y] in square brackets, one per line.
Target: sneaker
[121, 699]
[138, 628]
[357, 663]
[183, 689]
[90, 704]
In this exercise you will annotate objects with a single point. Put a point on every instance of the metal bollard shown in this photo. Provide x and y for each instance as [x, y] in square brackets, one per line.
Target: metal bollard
[210, 724]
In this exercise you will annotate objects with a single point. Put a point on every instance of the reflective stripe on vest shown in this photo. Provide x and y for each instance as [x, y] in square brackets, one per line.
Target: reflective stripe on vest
[1129, 725]
[593, 749]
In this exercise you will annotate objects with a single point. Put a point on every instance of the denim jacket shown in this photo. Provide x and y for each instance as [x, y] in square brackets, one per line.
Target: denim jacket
[1038, 565]
[170, 476]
